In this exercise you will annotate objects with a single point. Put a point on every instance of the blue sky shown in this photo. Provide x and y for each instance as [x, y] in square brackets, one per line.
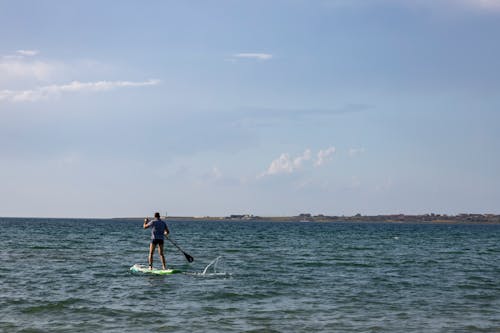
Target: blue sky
[277, 107]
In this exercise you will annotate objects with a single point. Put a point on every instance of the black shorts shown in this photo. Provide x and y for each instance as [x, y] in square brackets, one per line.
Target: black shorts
[157, 241]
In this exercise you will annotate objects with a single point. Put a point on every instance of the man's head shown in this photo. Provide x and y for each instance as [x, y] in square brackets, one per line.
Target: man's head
[157, 215]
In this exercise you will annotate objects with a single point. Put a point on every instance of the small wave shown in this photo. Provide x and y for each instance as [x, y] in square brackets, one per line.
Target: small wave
[41, 247]
[314, 264]
[480, 297]
[52, 306]
[354, 264]
[474, 328]
[209, 275]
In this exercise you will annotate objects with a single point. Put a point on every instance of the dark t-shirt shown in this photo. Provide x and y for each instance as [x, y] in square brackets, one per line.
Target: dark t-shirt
[158, 227]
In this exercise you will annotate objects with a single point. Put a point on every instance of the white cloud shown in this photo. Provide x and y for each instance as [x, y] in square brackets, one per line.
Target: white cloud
[356, 151]
[324, 156]
[52, 91]
[216, 174]
[282, 164]
[15, 67]
[28, 53]
[257, 56]
[299, 160]
[21, 69]
[285, 164]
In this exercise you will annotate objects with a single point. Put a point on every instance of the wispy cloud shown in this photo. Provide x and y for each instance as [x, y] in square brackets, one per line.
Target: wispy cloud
[484, 5]
[52, 91]
[28, 53]
[355, 182]
[489, 5]
[256, 56]
[263, 115]
[356, 151]
[286, 164]
[216, 173]
[16, 67]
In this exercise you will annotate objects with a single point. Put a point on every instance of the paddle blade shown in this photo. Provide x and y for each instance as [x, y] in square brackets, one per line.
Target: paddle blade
[188, 257]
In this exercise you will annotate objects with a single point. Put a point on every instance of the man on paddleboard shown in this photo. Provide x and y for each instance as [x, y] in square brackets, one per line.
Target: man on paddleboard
[159, 230]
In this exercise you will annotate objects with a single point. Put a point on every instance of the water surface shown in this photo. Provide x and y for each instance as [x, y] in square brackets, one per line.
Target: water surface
[64, 275]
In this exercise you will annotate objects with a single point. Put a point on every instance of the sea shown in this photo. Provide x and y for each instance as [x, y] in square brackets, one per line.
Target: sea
[73, 275]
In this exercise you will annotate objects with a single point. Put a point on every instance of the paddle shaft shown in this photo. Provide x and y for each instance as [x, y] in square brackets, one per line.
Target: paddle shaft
[188, 257]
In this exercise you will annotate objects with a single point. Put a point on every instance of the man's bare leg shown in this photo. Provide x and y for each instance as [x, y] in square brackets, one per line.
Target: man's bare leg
[162, 257]
[150, 257]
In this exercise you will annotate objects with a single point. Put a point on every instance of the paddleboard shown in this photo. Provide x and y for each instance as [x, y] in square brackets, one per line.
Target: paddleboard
[145, 269]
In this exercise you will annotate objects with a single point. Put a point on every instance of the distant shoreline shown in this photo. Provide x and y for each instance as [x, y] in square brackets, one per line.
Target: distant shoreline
[399, 218]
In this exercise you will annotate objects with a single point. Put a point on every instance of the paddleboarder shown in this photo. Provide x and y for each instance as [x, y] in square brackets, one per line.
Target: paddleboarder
[159, 230]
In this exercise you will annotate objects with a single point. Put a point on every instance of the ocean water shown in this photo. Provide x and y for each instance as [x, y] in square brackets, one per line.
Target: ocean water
[64, 275]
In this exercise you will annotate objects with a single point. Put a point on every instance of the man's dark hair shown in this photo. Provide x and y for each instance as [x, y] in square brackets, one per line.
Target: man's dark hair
[157, 215]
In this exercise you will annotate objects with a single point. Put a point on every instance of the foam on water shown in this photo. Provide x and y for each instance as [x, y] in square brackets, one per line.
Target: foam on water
[214, 269]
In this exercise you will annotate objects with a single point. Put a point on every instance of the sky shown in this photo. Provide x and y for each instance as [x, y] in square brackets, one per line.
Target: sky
[283, 107]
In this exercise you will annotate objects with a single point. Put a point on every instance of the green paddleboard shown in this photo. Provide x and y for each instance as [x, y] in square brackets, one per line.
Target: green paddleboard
[145, 269]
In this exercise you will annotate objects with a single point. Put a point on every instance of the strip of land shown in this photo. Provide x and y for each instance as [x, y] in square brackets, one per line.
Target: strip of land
[396, 218]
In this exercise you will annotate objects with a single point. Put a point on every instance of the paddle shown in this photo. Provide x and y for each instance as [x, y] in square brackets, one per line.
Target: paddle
[188, 257]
